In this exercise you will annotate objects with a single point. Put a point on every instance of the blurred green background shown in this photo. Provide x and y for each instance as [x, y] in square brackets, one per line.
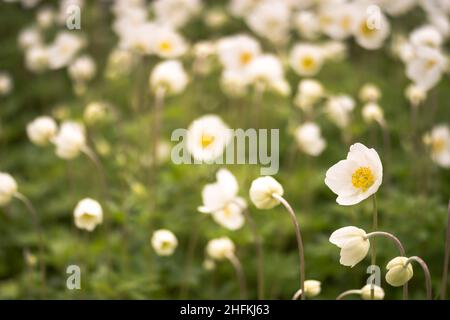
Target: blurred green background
[117, 259]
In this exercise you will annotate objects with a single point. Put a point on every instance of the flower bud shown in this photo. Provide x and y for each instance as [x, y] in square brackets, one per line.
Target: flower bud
[220, 248]
[398, 272]
[164, 242]
[8, 187]
[42, 130]
[88, 214]
[261, 192]
[366, 292]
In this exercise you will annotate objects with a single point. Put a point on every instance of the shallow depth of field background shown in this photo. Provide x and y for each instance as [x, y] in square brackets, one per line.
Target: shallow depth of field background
[117, 259]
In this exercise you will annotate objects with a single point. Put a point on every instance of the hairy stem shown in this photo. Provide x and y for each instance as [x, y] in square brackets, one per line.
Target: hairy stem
[299, 241]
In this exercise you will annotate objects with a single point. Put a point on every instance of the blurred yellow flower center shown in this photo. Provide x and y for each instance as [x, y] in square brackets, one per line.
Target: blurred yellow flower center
[165, 245]
[438, 145]
[365, 30]
[431, 63]
[245, 57]
[346, 22]
[88, 218]
[165, 46]
[363, 178]
[206, 140]
[307, 62]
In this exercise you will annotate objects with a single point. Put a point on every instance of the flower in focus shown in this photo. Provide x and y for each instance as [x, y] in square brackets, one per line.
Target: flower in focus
[220, 248]
[306, 59]
[438, 141]
[70, 140]
[220, 199]
[88, 214]
[366, 292]
[261, 192]
[6, 83]
[357, 177]
[399, 272]
[8, 188]
[309, 139]
[353, 243]
[42, 130]
[164, 242]
[207, 138]
[170, 76]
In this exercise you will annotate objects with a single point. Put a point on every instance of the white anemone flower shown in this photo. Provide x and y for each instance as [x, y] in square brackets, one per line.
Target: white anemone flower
[357, 177]
[168, 43]
[353, 243]
[220, 199]
[438, 140]
[8, 188]
[266, 72]
[220, 248]
[236, 52]
[176, 13]
[170, 76]
[261, 192]
[306, 59]
[426, 36]
[339, 108]
[42, 130]
[309, 139]
[338, 19]
[371, 33]
[63, 49]
[37, 58]
[164, 242]
[70, 140]
[207, 138]
[309, 92]
[427, 67]
[88, 214]
[82, 69]
[6, 83]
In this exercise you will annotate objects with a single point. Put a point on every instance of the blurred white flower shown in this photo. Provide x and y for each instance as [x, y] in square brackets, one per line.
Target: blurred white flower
[120, 62]
[176, 13]
[366, 292]
[266, 72]
[309, 139]
[426, 36]
[312, 288]
[170, 76]
[221, 200]
[372, 112]
[8, 188]
[37, 58]
[95, 112]
[398, 272]
[82, 69]
[88, 214]
[168, 43]
[42, 130]
[261, 192]
[270, 20]
[29, 37]
[369, 93]
[306, 59]
[63, 49]
[425, 69]
[338, 109]
[438, 141]
[334, 50]
[164, 242]
[45, 17]
[307, 24]
[396, 8]
[6, 83]
[236, 52]
[215, 18]
[138, 37]
[208, 264]
[353, 243]
[357, 177]
[70, 140]
[233, 83]
[415, 95]
[370, 36]
[338, 19]
[207, 138]
[220, 248]
[309, 92]
[241, 8]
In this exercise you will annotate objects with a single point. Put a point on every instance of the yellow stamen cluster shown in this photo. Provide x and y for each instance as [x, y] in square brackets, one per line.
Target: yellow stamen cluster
[245, 57]
[206, 140]
[165, 46]
[363, 178]
[308, 62]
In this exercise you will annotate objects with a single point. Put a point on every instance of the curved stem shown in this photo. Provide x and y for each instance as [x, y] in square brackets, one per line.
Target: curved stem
[447, 245]
[373, 245]
[299, 241]
[38, 230]
[426, 271]
[347, 293]
[240, 274]
[400, 247]
[259, 253]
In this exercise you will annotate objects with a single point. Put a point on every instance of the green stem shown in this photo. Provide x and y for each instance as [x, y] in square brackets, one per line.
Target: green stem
[373, 244]
[446, 258]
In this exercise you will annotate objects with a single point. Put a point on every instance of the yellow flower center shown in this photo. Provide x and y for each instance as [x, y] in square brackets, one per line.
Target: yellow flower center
[165, 46]
[165, 245]
[88, 218]
[363, 178]
[307, 62]
[346, 23]
[431, 63]
[438, 145]
[365, 30]
[206, 140]
[245, 57]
